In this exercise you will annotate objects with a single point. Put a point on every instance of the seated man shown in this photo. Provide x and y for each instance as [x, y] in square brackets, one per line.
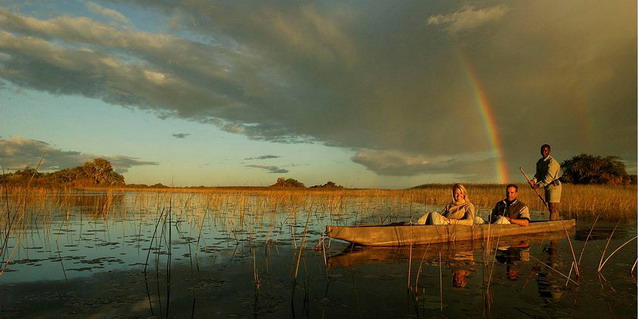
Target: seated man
[510, 210]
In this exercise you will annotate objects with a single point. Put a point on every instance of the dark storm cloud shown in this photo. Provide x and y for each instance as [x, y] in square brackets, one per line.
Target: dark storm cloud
[263, 157]
[18, 153]
[270, 169]
[181, 135]
[384, 76]
[395, 163]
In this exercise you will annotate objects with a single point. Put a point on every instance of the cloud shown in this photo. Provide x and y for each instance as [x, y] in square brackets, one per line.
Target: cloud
[396, 163]
[468, 18]
[18, 153]
[263, 157]
[96, 62]
[264, 131]
[181, 135]
[631, 167]
[270, 169]
[108, 13]
[366, 78]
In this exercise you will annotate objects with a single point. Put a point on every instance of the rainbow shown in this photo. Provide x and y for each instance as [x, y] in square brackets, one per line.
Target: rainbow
[500, 165]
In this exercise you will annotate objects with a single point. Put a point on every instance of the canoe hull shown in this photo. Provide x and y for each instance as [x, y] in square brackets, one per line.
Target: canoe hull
[378, 235]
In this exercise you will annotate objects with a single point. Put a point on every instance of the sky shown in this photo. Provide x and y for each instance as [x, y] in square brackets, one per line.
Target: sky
[369, 94]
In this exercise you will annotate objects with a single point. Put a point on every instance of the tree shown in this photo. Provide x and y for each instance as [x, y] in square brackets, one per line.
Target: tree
[329, 184]
[283, 182]
[589, 169]
[100, 171]
[22, 176]
[96, 172]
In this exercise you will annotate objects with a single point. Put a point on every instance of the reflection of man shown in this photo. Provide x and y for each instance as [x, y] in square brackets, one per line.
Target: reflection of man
[510, 210]
[550, 287]
[547, 169]
[512, 272]
[459, 278]
[509, 257]
[462, 261]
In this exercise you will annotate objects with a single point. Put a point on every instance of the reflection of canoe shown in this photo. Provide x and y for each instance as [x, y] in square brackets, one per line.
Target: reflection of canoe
[450, 252]
[355, 256]
[393, 235]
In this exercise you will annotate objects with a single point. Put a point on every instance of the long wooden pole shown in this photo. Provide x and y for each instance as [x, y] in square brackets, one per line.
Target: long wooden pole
[535, 190]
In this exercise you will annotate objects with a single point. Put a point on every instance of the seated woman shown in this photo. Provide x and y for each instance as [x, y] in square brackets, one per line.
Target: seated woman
[459, 211]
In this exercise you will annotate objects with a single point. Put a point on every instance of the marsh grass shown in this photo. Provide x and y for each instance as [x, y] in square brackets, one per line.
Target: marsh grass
[578, 201]
[244, 207]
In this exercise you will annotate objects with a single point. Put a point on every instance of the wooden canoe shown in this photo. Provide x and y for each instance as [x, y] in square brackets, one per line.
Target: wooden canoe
[402, 235]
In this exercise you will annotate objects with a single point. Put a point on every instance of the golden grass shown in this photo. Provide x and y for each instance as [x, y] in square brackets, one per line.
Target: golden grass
[578, 201]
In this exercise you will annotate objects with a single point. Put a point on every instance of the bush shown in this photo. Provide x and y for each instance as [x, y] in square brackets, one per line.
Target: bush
[329, 184]
[589, 169]
[283, 182]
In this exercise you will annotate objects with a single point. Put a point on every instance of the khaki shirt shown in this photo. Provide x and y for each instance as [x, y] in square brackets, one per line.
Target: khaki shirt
[547, 170]
[464, 211]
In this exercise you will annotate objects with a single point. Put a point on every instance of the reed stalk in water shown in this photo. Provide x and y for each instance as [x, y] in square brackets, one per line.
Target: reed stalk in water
[607, 245]
[571, 248]
[600, 268]
[150, 247]
[410, 267]
[554, 269]
[587, 239]
[303, 243]
[441, 281]
[418, 273]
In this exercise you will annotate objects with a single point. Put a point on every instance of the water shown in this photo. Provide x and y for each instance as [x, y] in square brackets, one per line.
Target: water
[130, 255]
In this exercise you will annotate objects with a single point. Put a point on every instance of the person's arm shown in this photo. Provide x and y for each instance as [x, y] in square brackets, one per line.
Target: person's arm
[523, 218]
[537, 173]
[521, 222]
[468, 219]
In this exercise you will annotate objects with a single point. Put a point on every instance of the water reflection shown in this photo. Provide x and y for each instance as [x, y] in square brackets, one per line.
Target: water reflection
[454, 253]
[511, 256]
[550, 284]
[211, 255]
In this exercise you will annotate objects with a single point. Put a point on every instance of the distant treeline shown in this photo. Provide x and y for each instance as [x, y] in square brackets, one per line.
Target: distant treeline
[98, 172]
[291, 182]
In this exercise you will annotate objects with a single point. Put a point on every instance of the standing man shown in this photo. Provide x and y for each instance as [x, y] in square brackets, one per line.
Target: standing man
[547, 170]
[510, 210]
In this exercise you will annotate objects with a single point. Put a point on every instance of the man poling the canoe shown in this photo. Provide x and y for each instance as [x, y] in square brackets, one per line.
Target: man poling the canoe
[535, 190]
[546, 176]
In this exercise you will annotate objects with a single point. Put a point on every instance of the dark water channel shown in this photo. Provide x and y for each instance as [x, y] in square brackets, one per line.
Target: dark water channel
[202, 257]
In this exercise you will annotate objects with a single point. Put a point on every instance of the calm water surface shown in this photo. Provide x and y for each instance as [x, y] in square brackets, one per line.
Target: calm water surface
[139, 255]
